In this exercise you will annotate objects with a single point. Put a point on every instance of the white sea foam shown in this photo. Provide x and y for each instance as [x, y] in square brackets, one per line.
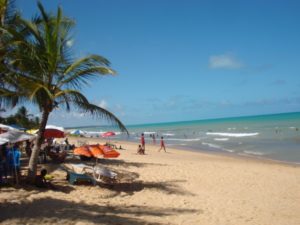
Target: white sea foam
[181, 139]
[149, 132]
[221, 139]
[253, 153]
[232, 134]
[211, 145]
[168, 134]
[177, 144]
[293, 128]
[229, 150]
[231, 128]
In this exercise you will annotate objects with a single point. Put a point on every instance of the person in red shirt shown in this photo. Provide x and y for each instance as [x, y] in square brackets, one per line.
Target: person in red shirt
[162, 144]
[143, 142]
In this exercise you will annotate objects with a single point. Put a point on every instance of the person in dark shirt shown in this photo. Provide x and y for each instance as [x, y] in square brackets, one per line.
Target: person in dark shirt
[41, 181]
[143, 142]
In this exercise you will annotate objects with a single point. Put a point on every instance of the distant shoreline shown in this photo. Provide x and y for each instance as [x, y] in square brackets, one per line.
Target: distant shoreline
[187, 121]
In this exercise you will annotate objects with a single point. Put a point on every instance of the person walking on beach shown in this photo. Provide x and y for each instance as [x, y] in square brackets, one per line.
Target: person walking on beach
[143, 142]
[162, 144]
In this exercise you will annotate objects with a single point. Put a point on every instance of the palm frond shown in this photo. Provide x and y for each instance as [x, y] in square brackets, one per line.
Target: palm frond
[10, 98]
[81, 103]
[99, 112]
[82, 70]
[7, 12]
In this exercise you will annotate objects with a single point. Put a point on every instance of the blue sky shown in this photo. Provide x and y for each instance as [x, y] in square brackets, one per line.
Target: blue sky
[186, 60]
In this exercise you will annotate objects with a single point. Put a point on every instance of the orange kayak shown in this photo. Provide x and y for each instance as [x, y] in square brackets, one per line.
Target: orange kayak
[95, 151]
[109, 152]
[83, 150]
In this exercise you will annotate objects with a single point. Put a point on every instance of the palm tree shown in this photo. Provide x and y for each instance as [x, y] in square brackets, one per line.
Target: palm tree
[7, 11]
[42, 70]
[7, 17]
[23, 112]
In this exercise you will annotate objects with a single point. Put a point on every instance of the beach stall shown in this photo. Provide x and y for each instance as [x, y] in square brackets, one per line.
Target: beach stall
[51, 131]
[18, 127]
[3, 141]
[4, 128]
[14, 136]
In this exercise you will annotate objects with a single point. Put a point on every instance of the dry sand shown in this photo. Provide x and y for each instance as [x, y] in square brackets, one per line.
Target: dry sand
[177, 187]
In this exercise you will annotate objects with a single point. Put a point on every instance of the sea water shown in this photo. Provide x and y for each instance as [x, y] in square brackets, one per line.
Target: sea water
[275, 137]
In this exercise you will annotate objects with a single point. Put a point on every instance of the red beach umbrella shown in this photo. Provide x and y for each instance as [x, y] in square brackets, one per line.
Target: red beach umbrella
[52, 131]
[108, 134]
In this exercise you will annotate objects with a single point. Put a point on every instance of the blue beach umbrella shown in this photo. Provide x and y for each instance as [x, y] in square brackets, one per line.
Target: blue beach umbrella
[77, 132]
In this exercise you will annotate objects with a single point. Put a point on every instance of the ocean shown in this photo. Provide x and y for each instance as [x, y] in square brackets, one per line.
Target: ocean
[274, 137]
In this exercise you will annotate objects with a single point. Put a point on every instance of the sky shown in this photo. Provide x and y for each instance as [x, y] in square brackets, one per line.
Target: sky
[185, 60]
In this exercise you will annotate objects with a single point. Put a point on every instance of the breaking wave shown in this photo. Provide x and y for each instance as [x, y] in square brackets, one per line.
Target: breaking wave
[232, 134]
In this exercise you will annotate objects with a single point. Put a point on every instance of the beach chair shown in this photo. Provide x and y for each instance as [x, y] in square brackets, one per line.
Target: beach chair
[76, 173]
[102, 174]
[94, 174]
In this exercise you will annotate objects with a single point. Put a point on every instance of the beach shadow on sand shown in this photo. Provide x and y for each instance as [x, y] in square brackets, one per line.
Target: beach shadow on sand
[166, 187]
[57, 211]
[126, 164]
[60, 186]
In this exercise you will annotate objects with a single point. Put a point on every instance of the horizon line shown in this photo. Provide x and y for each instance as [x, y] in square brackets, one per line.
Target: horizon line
[185, 121]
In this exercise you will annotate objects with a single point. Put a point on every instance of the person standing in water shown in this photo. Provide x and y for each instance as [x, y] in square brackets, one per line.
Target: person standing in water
[162, 144]
[143, 142]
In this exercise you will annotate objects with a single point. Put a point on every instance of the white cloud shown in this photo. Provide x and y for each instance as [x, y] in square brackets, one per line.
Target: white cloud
[103, 104]
[70, 43]
[78, 114]
[225, 61]
[120, 109]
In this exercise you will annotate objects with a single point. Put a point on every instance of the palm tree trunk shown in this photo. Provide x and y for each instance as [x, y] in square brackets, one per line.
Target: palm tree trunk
[32, 167]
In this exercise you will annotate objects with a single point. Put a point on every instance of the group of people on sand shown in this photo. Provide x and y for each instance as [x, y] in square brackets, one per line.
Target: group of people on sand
[10, 155]
[10, 164]
[141, 147]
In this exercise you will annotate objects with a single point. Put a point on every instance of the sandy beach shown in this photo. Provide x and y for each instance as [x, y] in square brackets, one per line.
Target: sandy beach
[177, 187]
